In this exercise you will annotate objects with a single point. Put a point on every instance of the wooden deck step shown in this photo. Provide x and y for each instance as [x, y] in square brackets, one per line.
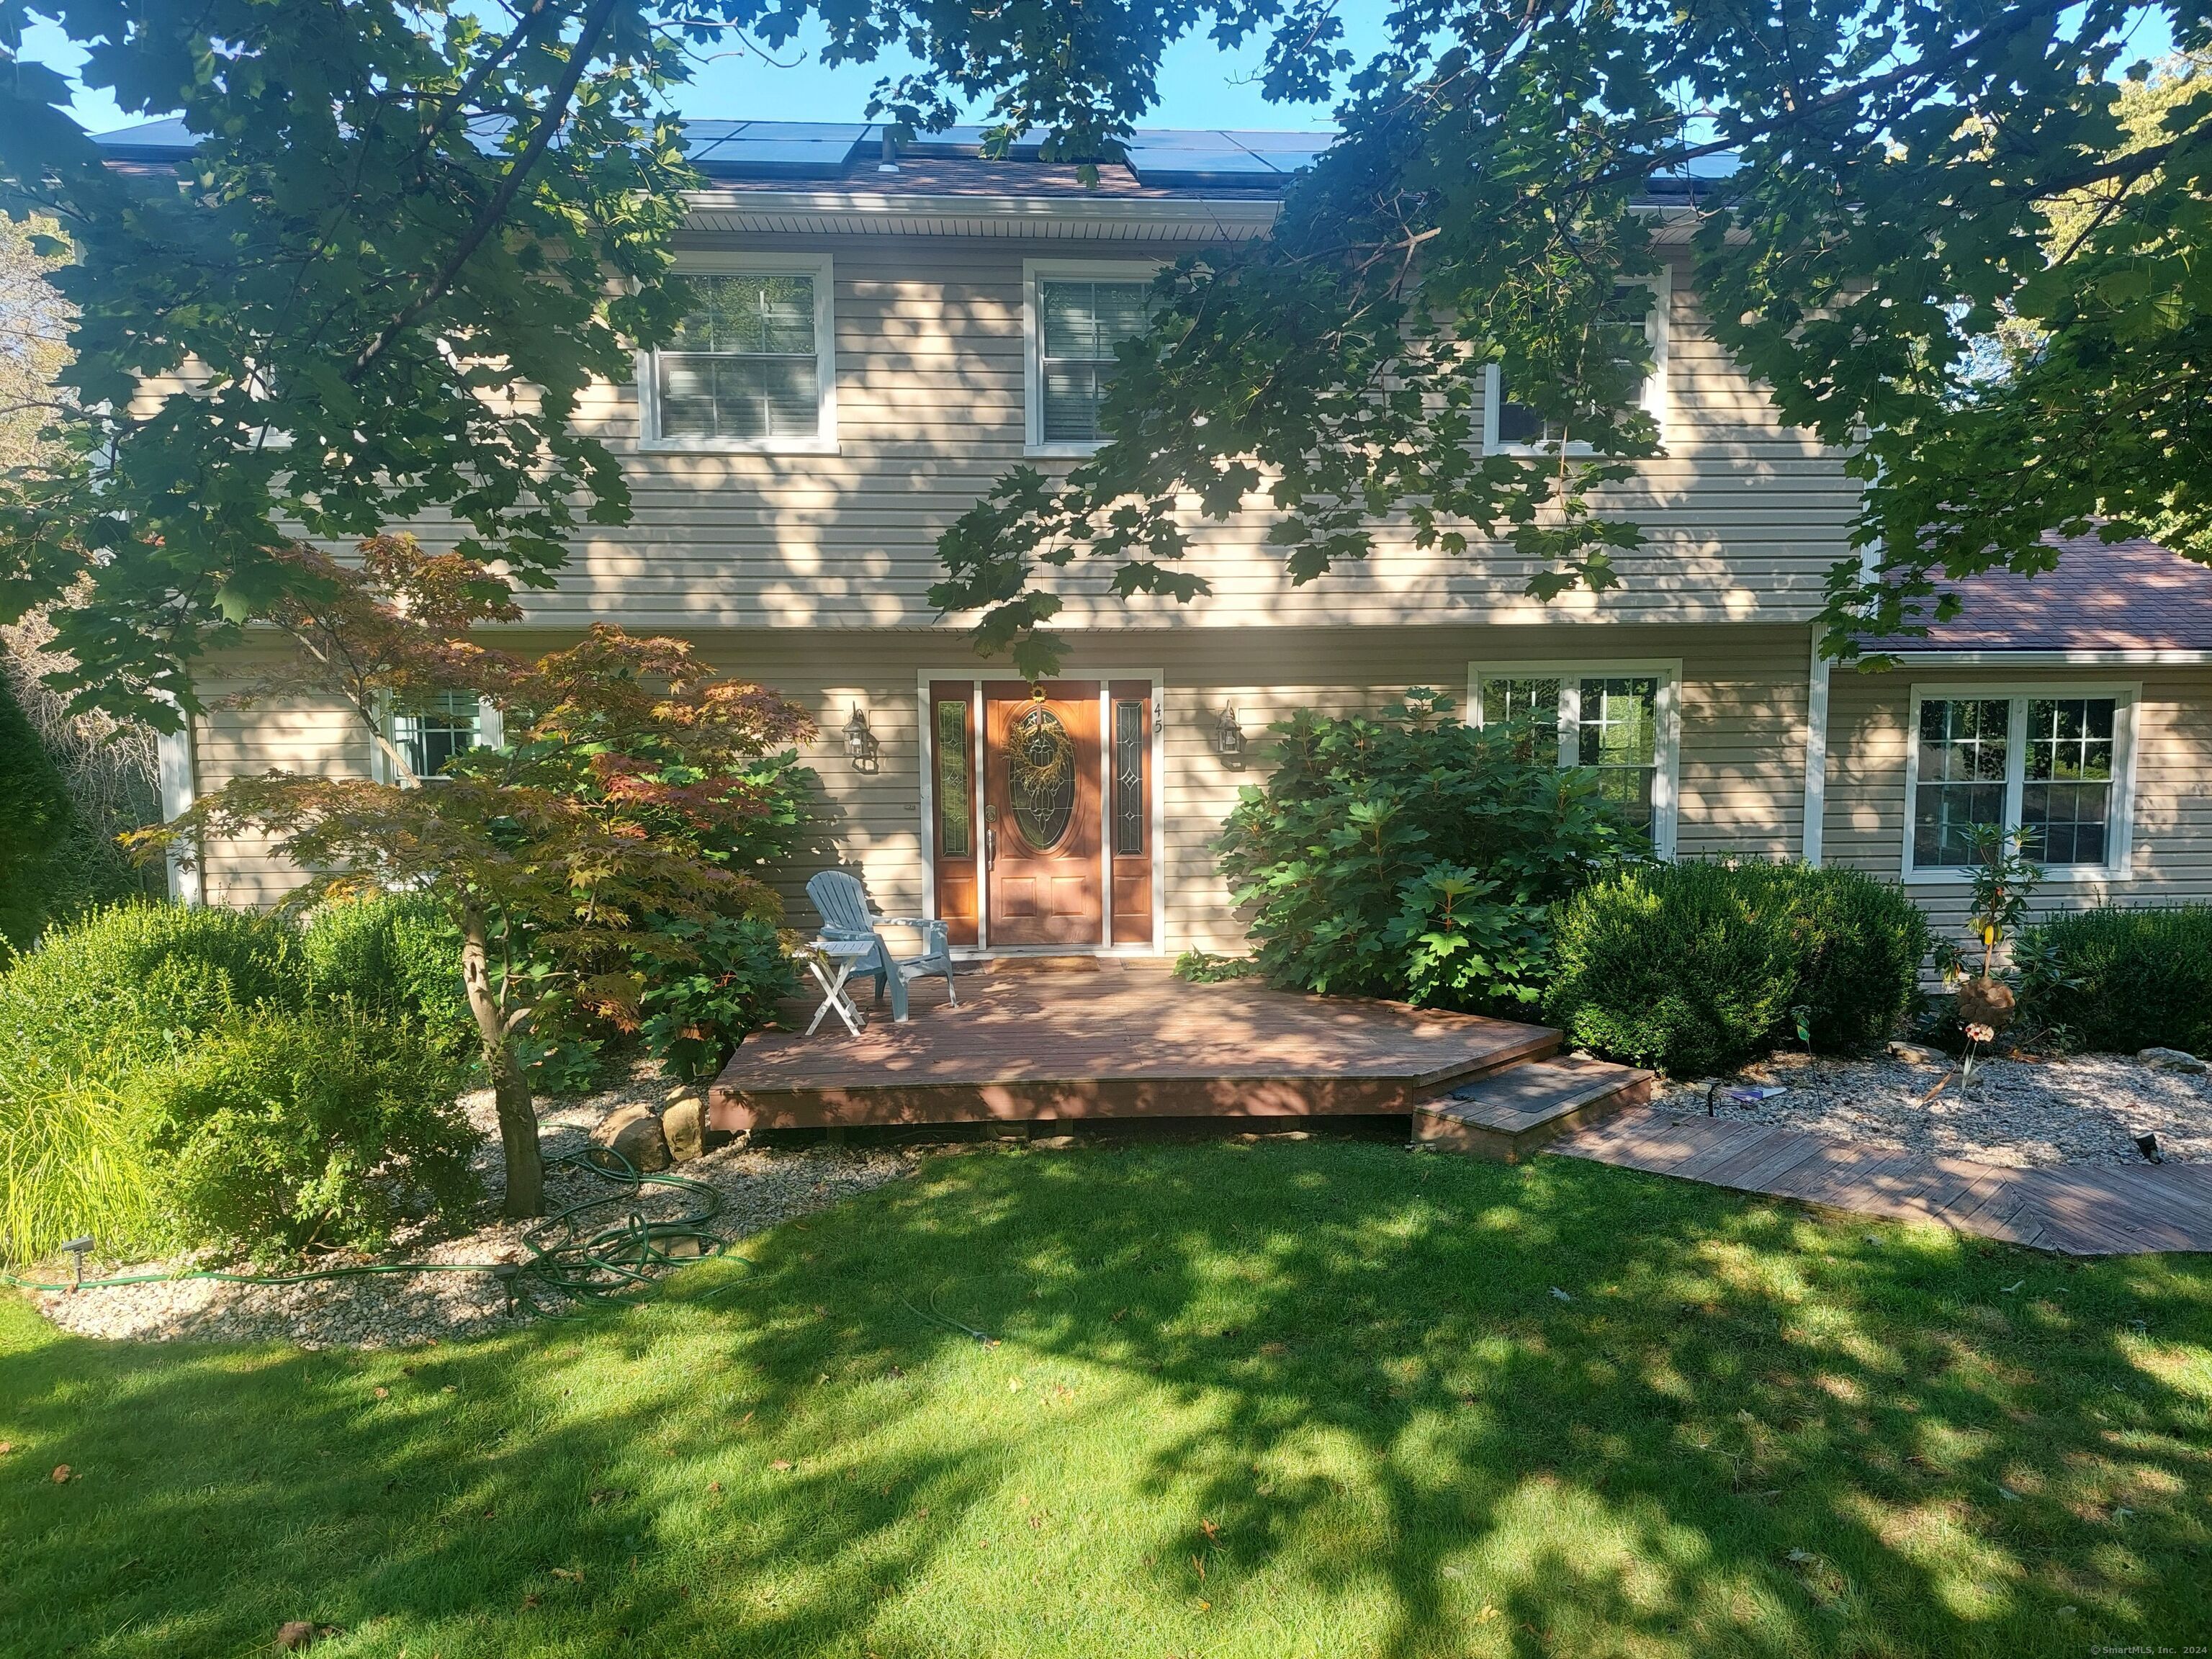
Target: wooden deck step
[1510, 1113]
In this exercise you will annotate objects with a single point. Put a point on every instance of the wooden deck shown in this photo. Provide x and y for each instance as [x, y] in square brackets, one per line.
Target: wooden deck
[2080, 1210]
[1111, 1038]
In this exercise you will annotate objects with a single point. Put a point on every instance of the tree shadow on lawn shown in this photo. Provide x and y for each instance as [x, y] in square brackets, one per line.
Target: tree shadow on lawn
[1292, 1399]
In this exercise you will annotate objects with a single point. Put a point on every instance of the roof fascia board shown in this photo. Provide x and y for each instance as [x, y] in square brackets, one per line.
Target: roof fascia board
[2053, 659]
[1189, 210]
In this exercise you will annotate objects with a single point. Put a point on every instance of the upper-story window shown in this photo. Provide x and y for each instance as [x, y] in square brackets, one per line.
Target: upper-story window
[2048, 762]
[751, 366]
[1076, 315]
[1615, 721]
[1635, 322]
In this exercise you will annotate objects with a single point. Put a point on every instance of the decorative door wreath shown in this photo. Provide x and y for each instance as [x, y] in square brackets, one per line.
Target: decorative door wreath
[1039, 775]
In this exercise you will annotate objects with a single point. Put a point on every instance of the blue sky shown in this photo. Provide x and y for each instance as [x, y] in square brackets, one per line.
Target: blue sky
[1199, 85]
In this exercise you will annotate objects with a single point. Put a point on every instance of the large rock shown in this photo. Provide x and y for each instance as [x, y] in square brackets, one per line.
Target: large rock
[2173, 1060]
[632, 1132]
[683, 1124]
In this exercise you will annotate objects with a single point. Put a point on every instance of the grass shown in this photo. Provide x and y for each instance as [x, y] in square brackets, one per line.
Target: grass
[1306, 1399]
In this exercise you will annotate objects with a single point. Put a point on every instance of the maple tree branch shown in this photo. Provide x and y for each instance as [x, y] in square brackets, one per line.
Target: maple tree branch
[488, 216]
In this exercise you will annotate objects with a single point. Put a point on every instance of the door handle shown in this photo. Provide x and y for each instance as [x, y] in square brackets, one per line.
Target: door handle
[990, 845]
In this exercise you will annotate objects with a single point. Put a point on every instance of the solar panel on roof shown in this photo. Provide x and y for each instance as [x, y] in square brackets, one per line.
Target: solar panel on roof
[1159, 155]
[1723, 165]
[790, 147]
[169, 134]
[1288, 151]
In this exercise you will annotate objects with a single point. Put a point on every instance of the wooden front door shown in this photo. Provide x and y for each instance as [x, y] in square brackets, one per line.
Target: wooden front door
[1043, 880]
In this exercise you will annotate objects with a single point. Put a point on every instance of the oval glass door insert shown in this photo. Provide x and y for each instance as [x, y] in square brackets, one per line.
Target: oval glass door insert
[1040, 776]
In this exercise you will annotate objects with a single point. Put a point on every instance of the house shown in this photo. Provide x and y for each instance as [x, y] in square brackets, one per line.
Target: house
[882, 336]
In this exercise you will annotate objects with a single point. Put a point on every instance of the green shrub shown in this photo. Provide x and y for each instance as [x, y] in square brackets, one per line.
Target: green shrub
[693, 1018]
[309, 1131]
[136, 980]
[1694, 968]
[44, 844]
[398, 955]
[1409, 855]
[2116, 980]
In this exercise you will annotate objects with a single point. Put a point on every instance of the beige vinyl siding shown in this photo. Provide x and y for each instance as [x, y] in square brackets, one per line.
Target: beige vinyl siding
[1744, 517]
[1740, 776]
[2171, 863]
[281, 734]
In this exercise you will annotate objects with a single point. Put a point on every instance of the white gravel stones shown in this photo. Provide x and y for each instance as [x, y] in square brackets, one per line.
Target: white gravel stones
[759, 1188]
[2026, 1114]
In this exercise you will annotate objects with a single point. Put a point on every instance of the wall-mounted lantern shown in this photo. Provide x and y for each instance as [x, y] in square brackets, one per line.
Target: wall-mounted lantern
[1229, 737]
[860, 745]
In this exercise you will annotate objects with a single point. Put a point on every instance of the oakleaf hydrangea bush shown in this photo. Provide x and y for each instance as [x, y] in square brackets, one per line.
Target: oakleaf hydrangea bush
[1408, 855]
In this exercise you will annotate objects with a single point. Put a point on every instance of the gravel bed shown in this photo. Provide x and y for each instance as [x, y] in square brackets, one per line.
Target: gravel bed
[759, 1188]
[2027, 1113]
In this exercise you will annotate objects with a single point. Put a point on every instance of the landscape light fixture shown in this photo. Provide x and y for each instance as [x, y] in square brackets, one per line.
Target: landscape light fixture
[2147, 1145]
[79, 1247]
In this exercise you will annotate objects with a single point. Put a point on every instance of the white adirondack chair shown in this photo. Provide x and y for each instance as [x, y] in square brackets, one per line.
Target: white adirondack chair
[845, 916]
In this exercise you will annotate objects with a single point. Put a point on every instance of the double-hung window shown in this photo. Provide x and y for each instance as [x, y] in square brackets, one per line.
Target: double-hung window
[1076, 316]
[430, 731]
[2050, 763]
[1635, 325]
[1615, 721]
[751, 365]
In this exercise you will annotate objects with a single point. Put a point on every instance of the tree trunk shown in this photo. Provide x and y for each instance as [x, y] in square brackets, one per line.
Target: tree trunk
[510, 1089]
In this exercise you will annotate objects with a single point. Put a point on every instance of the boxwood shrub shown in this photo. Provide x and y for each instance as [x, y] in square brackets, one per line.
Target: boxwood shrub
[309, 1130]
[1694, 968]
[2116, 980]
[396, 954]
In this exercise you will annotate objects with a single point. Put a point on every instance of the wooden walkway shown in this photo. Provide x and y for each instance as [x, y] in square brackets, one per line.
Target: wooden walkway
[2081, 1210]
[1041, 1043]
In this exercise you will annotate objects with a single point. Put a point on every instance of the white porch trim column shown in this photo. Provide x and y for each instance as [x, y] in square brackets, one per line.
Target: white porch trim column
[176, 758]
[1816, 750]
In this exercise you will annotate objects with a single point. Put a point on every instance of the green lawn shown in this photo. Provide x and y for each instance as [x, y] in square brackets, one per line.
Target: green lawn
[1303, 1399]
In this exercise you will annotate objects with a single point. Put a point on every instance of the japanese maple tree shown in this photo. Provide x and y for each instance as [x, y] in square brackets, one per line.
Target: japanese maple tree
[630, 776]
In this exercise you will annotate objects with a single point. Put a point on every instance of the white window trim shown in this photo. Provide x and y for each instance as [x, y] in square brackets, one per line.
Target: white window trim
[491, 733]
[2120, 849]
[1035, 272]
[1653, 398]
[1666, 783]
[823, 439]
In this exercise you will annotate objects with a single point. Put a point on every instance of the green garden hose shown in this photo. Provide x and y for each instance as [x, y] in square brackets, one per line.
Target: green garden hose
[572, 1262]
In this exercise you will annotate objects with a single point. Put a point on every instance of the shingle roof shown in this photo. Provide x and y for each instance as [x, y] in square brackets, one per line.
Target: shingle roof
[1163, 162]
[2116, 596]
